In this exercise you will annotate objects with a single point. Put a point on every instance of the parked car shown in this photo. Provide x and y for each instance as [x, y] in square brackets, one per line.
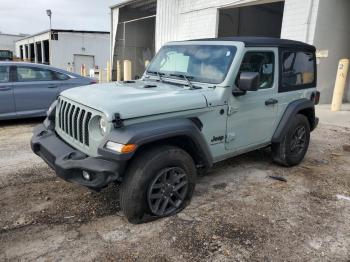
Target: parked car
[6, 55]
[28, 90]
[198, 103]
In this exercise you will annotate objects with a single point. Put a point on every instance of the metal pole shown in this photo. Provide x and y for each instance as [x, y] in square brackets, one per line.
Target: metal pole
[49, 14]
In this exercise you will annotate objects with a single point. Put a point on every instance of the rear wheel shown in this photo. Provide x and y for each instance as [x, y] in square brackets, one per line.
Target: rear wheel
[158, 183]
[294, 145]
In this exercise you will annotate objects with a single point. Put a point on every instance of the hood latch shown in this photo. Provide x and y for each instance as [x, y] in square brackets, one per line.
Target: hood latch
[117, 122]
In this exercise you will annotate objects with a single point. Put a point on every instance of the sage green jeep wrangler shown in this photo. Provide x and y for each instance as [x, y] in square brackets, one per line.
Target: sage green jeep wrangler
[199, 102]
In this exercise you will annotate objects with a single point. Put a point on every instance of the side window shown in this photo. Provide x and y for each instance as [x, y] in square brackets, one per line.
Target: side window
[60, 76]
[262, 63]
[298, 68]
[29, 74]
[4, 74]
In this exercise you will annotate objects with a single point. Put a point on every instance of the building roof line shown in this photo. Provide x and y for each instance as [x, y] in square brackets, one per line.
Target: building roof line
[121, 3]
[19, 35]
[64, 31]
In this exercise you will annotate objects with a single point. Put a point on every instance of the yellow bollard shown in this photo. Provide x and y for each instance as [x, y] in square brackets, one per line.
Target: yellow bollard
[340, 84]
[100, 75]
[84, 71]
[108, 77]
[119, 72]
[147, 63]
[127, 70]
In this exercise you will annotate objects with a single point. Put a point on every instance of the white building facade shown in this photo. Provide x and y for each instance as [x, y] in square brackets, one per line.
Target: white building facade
[140, 28]
[66, 49]
[7, 41]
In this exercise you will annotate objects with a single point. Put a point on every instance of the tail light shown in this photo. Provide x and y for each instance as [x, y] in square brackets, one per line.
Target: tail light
[315, 97]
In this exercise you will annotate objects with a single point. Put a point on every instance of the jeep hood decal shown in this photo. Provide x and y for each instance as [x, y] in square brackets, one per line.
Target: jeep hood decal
[134, 100]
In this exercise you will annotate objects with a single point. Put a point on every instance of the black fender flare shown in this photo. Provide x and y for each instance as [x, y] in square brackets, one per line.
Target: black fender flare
[300, 105]
[150, 132]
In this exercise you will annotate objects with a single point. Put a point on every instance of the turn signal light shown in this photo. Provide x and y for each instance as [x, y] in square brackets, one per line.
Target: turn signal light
[120, 148]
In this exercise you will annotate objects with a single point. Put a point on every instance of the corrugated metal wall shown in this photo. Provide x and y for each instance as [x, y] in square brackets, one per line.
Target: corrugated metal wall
[167, 21]
[188, 19]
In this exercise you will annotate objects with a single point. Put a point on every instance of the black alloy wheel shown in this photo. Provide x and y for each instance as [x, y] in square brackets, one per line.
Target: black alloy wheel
[298, 140]
[167, 191]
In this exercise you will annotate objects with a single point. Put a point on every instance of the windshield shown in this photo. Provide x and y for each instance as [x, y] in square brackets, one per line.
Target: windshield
[202, 63]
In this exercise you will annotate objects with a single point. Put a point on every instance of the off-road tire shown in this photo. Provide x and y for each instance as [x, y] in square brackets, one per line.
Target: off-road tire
[140, 177]
[282, 152]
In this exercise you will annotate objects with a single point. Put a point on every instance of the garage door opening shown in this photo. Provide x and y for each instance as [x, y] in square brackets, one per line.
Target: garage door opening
[135, 39]
[257, 20]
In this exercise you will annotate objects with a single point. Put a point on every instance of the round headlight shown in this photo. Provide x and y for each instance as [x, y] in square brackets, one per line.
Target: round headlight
[103, 126]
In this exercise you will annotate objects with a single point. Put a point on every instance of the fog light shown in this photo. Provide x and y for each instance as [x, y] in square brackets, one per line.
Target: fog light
[86, 175]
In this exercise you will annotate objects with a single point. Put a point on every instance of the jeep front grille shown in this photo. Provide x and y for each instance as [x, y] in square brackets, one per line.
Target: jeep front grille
[73, 120]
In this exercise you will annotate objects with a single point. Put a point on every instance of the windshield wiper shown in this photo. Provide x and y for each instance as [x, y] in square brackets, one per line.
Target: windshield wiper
[187, 78]
[159, 74]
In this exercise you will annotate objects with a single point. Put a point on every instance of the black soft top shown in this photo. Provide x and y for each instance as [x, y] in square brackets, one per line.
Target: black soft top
[264, 42]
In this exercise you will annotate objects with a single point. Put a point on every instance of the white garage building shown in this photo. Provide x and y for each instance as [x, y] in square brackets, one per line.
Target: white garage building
[141, 27]
[66, 49]
[7, 41]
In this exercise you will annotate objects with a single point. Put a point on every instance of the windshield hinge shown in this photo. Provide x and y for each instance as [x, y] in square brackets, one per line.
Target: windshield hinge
[117, 122]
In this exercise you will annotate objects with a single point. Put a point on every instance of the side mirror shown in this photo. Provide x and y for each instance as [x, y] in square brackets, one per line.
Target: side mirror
[249, 81]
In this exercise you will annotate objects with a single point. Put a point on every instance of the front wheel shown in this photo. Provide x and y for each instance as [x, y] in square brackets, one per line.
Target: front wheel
[158, 183]
[294, 145]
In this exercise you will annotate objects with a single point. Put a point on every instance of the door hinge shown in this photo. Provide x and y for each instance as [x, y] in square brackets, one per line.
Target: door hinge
[231, 110]
[230, 137]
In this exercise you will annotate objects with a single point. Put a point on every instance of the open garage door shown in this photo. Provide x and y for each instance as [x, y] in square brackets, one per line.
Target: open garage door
[135, 38]
[255, 20]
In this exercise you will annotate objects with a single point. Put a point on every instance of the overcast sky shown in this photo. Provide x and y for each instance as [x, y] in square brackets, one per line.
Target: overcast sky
[29, 16]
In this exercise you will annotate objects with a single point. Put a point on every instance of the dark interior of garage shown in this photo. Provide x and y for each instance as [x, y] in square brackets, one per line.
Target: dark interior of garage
[254, 20]
[135, 39]
[47, 51]
[32, 53]
[38, 51]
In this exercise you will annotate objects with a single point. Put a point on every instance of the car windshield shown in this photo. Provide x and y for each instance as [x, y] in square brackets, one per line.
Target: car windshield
[200, 63]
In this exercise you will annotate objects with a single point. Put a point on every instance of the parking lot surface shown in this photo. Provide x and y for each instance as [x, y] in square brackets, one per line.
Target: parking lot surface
[238, 213]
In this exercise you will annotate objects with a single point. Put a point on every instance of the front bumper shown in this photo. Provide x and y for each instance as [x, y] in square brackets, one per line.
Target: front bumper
[70, 163]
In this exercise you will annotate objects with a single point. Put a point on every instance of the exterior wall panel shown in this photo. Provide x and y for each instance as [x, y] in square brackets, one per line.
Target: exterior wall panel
[299, 20]
[68, 45]
[167, 22]
[332, 35]
[7, 42]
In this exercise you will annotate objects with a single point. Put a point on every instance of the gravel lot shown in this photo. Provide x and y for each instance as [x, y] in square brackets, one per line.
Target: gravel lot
[238, 212]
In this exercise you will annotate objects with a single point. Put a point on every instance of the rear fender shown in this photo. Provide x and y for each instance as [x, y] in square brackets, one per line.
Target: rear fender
[300, 106]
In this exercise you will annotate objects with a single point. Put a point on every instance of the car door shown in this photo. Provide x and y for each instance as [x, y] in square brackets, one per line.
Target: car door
[35, 89]
[7, 102]
[252, 117]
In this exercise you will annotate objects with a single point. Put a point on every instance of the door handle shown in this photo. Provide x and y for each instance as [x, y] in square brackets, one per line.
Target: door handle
[271, 101]
[5, 88]
[52, 86]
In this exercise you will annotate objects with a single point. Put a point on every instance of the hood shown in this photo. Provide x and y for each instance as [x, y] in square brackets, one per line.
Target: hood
[136, 98]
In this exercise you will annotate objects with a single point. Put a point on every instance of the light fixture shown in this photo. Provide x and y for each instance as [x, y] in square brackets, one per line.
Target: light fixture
[121, 148]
